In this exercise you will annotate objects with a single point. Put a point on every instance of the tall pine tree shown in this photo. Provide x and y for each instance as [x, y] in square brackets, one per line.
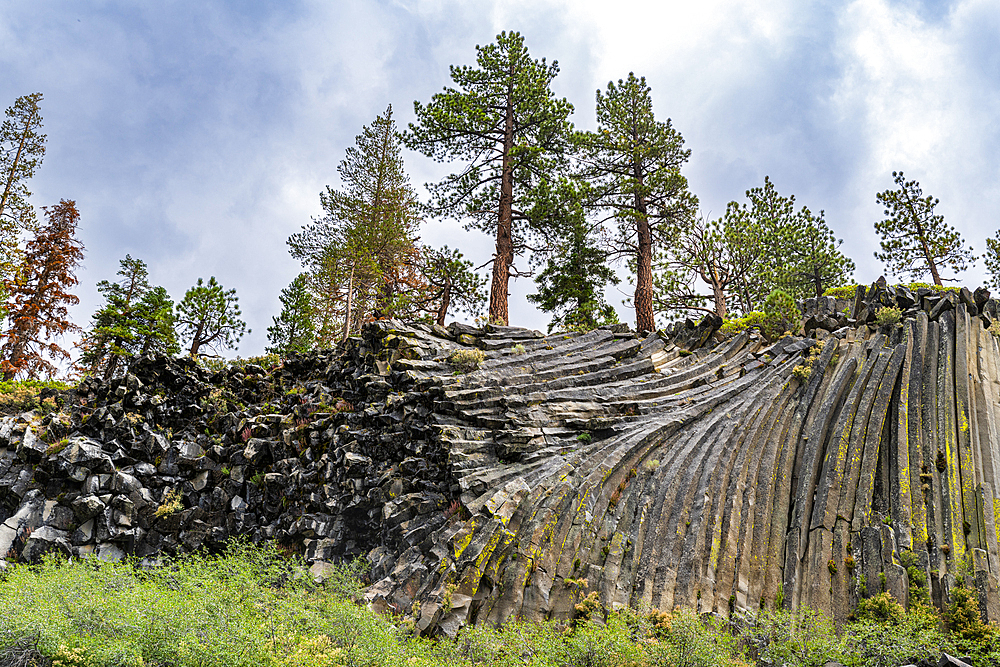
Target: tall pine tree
[37, 309]
[633, 164]
[503, 122]
[362, 253]
[915, 240]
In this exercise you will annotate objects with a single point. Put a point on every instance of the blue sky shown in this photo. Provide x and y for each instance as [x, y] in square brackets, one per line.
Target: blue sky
[198, 135]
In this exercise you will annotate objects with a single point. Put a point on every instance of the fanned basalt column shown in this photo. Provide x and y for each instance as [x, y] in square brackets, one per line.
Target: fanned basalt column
[677, 469]
[803, 472]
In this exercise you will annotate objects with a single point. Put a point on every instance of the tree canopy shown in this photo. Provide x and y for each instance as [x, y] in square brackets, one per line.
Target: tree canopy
[22, 147]
[209, 316]
[135, 319]
[362, 254]
[294, 329]
[915, 240]
[571, 286]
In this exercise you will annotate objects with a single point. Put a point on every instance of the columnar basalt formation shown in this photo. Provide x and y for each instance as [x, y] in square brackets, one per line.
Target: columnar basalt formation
[658, 471]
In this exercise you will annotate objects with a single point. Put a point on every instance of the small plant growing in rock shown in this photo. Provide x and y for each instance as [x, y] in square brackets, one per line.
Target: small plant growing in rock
[888, 315]
[467, 361]
[802, 372]
[446, 602]
[56, 447]
[995, 328]
[651, 465]
[172, 503]
[584, 438]
[517, 349]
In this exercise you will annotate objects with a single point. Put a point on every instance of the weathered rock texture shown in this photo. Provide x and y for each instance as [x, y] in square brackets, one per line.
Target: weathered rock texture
[659, 471]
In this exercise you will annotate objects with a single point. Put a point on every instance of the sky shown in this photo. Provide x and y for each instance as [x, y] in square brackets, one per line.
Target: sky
[197, 136]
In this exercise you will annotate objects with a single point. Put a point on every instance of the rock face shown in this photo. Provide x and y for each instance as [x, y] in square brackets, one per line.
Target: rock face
[659, 471]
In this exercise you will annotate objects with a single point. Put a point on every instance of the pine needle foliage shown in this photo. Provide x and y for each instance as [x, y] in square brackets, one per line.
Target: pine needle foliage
[294, 329]
[136, 318]
[362, 254]
[209, 316]
[915, 240]
[571, 286]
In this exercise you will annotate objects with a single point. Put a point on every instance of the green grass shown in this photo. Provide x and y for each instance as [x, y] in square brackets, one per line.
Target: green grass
[253, 607]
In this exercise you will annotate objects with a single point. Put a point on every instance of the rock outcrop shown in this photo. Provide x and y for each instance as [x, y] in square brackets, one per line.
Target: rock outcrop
[668, 470]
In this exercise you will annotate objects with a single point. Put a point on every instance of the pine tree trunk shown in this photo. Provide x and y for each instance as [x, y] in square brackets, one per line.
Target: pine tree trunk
[718, 294]
[196, 340]
[504, 256]
[442, 312]
[644, 256]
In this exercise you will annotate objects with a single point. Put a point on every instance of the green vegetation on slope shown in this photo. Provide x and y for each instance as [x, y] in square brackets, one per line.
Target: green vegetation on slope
[252, 606]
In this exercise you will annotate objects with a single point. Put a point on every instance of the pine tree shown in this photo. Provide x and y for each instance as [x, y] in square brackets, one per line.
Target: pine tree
[37, 310]
[362, 253]
[135, 319]
[451, 282]
[22, 148]
[915, 241]
[155, 319]
[209, 316]
[294, 329]
[633, 164]
[503, 121]
[812, 260]
[571, 286]
[756, 247]
[992, 259]
[717, 254]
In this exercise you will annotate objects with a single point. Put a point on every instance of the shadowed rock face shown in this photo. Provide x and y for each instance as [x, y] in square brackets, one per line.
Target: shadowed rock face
[660, 471]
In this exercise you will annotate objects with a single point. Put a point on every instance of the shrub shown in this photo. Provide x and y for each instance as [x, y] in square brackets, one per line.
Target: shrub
[781, 314]
[517, 349]
[802, 372]
[780, 637]
[250, 607]
[22, 395]
[737, 325]
[888, 315]
[467, 361]
[842, 292]
[172, 503]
